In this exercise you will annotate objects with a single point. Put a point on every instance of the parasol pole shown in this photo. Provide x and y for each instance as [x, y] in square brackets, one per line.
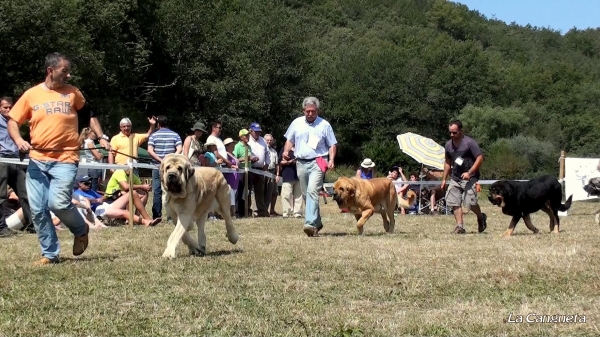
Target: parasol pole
[421, 187]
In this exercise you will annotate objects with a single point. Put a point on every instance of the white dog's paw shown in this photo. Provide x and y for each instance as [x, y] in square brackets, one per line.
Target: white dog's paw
[198, 251]
[168, 255]
[233, 238]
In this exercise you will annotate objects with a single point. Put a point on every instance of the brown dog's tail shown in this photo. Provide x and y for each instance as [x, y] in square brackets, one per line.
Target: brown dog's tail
[564, 207]
[412, 197]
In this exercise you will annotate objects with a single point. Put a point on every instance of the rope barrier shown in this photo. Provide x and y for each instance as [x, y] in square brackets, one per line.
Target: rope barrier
[105, 166]
[23, 154]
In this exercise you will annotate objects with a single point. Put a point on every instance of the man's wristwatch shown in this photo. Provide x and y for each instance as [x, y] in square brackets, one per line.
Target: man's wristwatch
[105, 137]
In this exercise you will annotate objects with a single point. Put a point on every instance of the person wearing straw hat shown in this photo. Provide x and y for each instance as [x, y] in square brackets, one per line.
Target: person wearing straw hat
[463, 159]
[366, 170]
[193, 148]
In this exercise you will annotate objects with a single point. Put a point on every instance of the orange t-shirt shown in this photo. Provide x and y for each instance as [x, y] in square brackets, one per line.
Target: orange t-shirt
[53, 121]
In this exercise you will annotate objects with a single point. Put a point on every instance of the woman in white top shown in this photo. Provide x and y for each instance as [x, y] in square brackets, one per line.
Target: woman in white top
[87, 140]
[397, 177]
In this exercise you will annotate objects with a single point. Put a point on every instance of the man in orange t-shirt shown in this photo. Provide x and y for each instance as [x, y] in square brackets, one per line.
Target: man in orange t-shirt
[54, 109]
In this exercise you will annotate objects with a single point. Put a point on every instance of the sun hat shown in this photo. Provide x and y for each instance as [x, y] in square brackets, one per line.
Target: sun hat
[243, 132]
[228, 141]
[367, 163]
[199, 126]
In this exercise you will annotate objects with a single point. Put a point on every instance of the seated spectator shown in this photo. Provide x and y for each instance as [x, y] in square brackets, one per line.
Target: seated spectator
[85, 210]
[210, 159]
[15, 219]
[366, 170]
[118, 186]
[415, 188]
[117, 209]
[396, 175]
[432, 192]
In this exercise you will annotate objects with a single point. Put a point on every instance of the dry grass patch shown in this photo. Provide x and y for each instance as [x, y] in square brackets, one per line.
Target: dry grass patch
[422, 280]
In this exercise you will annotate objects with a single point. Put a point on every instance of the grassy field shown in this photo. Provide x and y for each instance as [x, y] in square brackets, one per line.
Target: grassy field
[421, 280]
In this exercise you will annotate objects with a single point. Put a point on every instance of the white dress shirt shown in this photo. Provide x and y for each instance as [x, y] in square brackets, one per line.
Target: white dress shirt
[260, 149]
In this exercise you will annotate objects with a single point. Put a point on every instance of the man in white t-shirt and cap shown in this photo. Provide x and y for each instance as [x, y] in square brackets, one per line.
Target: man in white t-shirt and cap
[221, 151]
[260, 149]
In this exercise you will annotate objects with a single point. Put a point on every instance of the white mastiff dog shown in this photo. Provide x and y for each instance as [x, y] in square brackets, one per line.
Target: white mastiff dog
[189, 194]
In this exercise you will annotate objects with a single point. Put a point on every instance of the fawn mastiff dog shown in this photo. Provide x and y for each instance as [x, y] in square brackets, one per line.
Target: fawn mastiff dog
[190, 193]
[363, 197]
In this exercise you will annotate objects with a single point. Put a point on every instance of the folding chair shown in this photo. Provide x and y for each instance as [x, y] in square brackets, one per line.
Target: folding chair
[440, 200]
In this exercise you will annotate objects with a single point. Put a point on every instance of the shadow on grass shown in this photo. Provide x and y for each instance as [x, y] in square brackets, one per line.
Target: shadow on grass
[77, 259]
[224, 252]
[335, 234]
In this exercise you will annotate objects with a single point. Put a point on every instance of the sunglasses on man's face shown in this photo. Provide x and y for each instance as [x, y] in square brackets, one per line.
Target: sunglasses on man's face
[87, 183]
[453, 132]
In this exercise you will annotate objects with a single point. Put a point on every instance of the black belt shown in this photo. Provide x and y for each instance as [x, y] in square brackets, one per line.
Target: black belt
[311, 159]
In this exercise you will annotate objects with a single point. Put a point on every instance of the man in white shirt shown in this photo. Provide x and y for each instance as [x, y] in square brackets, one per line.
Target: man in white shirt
[315, 150]
[260, 149]
[221, 151]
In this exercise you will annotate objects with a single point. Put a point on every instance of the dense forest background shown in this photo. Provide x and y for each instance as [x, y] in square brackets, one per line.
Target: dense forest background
[380, 68]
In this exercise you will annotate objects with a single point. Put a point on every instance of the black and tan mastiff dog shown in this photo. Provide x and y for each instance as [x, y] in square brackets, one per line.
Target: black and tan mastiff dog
[521, 198]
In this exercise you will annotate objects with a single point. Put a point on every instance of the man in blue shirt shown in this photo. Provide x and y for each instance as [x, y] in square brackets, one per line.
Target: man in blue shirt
[84, 189]
[161, 143]
[315, 149]
[12, 175]
[113, 210]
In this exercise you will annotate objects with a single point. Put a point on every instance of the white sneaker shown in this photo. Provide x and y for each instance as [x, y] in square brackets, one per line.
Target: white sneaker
[297, 215]
[285, 215]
